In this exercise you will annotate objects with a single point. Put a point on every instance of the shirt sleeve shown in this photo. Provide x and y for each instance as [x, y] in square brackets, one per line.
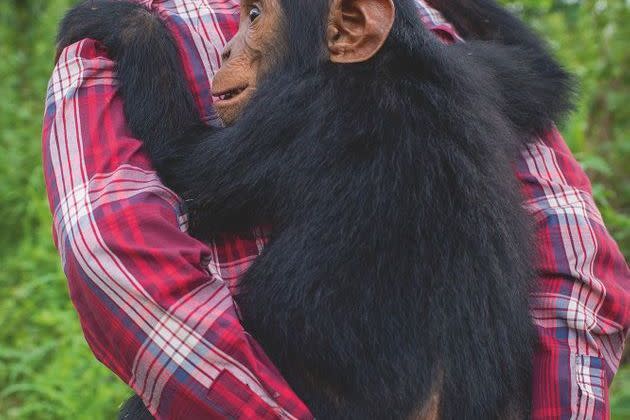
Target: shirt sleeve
[149, 307]
[580, 301]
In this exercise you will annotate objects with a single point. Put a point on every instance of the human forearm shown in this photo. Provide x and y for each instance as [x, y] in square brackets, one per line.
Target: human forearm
[150, 310]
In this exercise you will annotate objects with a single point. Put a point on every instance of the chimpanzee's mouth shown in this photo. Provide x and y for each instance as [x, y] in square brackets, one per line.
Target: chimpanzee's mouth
[230, 94]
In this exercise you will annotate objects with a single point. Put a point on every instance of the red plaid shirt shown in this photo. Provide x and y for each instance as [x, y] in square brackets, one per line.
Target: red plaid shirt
[155, 304]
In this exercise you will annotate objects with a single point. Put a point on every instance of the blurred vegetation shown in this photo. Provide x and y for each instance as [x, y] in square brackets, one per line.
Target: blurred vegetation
[46, 368]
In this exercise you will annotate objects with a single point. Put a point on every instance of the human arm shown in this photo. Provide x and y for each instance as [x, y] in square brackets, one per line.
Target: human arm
[580, 301]
[150, 309]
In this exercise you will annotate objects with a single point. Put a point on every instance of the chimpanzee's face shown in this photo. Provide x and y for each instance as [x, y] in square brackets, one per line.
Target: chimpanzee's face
[247, 57]
[354, 30]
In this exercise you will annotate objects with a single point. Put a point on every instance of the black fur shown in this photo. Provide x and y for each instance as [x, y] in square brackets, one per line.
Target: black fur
[400, 258]
[134, 409]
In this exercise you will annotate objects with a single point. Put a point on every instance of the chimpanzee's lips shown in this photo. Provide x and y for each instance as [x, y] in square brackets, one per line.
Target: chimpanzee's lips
[227, 95]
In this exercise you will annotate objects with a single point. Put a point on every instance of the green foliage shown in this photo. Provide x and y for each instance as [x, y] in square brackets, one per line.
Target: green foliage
[620, 395]
[591, 38]
[46, 368]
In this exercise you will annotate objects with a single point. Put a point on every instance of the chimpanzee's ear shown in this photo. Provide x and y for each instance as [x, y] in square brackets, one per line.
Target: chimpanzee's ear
[357, 29]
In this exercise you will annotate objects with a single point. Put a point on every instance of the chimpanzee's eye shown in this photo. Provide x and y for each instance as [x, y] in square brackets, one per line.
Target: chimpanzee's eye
[254, 13]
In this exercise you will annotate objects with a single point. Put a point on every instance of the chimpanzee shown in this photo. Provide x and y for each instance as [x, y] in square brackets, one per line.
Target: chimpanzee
[395, 283]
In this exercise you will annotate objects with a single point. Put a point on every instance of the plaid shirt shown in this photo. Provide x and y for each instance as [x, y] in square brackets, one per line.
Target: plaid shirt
[155, 304]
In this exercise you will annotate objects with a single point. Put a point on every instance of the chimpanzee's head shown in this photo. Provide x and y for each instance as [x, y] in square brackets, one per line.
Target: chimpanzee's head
[302, 33]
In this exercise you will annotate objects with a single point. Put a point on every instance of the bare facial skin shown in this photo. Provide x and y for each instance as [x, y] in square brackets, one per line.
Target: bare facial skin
[356, 31]
[246, 57]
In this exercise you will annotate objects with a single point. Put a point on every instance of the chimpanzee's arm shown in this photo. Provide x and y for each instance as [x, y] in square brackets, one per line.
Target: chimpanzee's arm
[486, 20]
[535, 88]
[213, 168]
[158, 104]
[531, 89]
